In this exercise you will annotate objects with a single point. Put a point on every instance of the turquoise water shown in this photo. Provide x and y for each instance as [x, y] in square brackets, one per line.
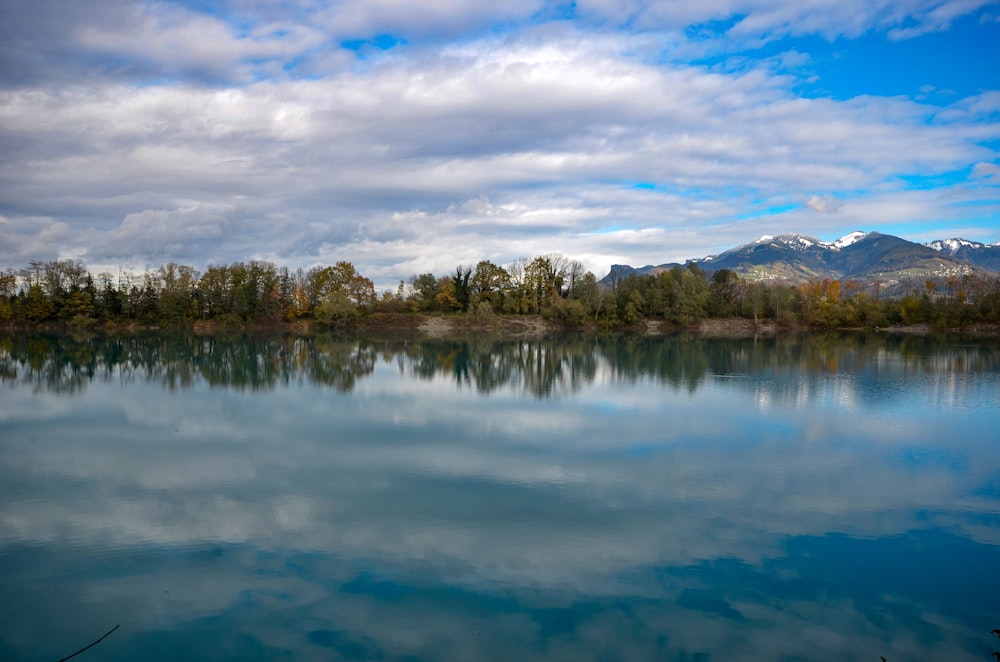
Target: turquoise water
[280, 497]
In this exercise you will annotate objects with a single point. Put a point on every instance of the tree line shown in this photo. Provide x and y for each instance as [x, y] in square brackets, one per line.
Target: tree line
[553, 286]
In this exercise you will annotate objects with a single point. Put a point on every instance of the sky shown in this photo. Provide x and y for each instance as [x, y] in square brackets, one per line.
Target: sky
[410, 137]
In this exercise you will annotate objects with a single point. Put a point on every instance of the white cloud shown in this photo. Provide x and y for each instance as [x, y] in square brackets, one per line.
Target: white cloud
[166, 234]
[415, 18]
[178, 42]
[825, 204]
[768, 18]
[26, 238]
[986, 170]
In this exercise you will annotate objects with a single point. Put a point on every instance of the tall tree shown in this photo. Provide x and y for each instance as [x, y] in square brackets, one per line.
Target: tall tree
[177, 302]
[488, 284]
[460, 284]
[544, 277]
[425, 290]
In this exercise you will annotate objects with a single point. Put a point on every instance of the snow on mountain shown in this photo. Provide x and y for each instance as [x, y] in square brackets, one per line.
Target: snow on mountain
[791, 240]
[798, 242]
[802, 242]
[864, 255]
[952, 246]
[848, 239]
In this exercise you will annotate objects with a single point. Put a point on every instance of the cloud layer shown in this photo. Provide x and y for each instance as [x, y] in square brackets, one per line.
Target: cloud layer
[410, 139]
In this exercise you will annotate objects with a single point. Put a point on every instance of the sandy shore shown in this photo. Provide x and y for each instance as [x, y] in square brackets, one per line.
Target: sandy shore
[436, 327]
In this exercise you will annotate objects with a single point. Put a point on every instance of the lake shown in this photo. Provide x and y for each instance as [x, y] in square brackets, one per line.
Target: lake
[818, 497]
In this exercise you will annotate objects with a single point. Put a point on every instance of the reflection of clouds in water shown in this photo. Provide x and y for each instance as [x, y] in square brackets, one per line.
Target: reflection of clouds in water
[19, 406]
[763, 400]
[308, 605]
[803, 390]
[375, 487]
[529, 516]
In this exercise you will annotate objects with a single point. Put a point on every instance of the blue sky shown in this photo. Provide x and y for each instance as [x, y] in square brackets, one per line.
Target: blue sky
[410, 137]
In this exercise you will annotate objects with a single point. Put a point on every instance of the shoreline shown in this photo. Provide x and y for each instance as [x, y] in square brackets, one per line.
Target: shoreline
[509, 326]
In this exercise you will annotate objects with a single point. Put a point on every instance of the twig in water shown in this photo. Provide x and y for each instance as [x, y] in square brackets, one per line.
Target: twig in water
[91, 645]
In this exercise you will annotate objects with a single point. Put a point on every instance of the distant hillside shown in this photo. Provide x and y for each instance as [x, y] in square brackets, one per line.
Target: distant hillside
[856, 256]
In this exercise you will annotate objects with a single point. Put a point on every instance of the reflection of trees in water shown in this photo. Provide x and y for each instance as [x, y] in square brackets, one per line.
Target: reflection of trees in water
[339, 363]
[860, 368]
[35, 361]
[540, 367]
[787, 366]
[679, 362]
[62, 364]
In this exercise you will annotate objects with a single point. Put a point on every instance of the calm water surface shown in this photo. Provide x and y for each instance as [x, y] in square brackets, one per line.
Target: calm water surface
[281, 497]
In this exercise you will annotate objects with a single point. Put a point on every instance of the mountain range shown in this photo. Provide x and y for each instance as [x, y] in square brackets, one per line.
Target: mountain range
[866, 256]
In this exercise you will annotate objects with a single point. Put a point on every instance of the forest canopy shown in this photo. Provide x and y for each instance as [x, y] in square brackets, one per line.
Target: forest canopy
[553, 286]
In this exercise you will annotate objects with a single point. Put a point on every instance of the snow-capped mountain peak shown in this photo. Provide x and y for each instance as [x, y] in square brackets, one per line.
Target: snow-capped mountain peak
[791, 240]
[848, 239]
[952, 246]
[862, 256]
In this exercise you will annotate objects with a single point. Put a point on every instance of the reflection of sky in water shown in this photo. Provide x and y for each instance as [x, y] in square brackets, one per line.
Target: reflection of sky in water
[779, 507]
